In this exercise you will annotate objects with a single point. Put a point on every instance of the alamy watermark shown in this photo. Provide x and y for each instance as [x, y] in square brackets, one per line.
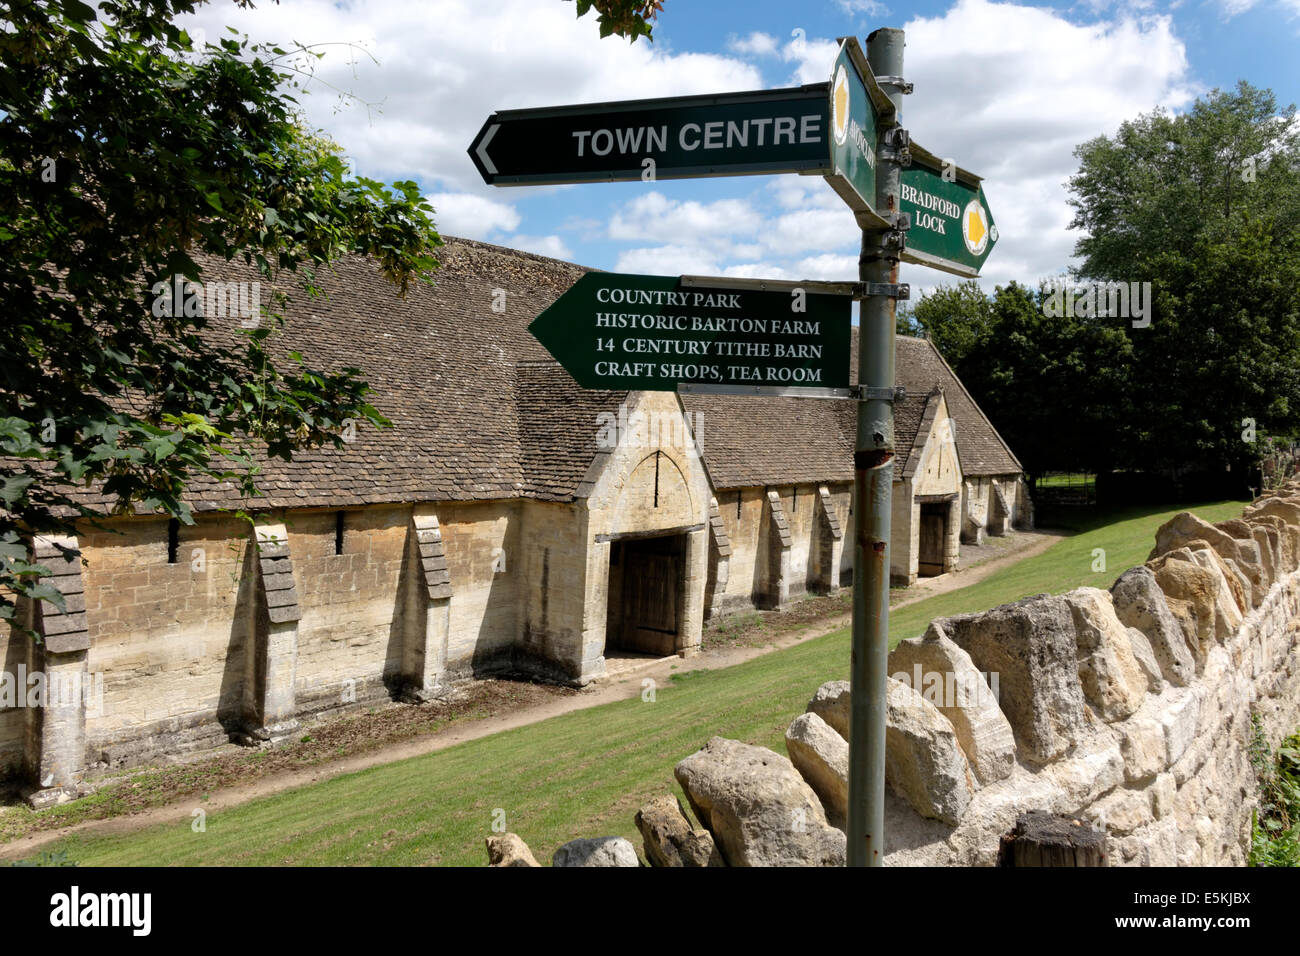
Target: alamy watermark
[214, 300]
[37, 689]
[652, 429]
[1123, 300]
[949, 689]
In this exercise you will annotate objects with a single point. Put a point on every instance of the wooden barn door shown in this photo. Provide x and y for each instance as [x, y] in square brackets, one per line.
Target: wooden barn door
[930, 549]
[652, 591]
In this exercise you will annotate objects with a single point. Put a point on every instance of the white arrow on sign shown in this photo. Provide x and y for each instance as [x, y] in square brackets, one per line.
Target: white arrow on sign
[490, 166]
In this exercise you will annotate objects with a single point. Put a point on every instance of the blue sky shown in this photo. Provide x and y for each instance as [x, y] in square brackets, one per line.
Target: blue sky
[1008, 89]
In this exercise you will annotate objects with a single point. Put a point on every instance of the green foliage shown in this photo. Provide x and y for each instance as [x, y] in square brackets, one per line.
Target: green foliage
[1051, 386]
[905, 320]
[1206, 207]
[626, 18]
[956, 319]
[1275, 830]
[128, 157]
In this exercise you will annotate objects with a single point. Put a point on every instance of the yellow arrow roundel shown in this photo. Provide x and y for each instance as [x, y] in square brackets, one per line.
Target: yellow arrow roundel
[975, 227]
[840, 101]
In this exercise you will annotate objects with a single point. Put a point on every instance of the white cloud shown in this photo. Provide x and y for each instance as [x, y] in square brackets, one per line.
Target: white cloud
[756, 44]
[812, 58]
[988, 96]
[756, 270]
[828, 267]
[654, 216]
[810, 229]
[552, 245]
[444, 66]
[471, 216]
[670, 260]
[1008, 90]
[870, 8]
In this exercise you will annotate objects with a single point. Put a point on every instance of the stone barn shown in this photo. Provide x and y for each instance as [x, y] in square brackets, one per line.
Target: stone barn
[509, 522]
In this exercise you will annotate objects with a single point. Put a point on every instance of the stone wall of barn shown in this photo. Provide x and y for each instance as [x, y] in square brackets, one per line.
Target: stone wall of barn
[994, 504]
[166, 637]
[13, 653]
[174, 632]
[815, 559]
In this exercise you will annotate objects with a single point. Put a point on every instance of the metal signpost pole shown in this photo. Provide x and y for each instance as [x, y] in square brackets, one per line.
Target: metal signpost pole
[873, 475]
[847, 130]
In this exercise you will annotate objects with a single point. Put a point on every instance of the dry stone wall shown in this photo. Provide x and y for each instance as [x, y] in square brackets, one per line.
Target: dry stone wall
[1132, 709]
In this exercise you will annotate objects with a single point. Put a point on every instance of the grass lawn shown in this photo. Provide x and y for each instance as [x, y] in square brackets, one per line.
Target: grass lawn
[584, 773]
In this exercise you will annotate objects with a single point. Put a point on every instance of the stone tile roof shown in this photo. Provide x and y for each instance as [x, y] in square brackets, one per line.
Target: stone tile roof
[919, 368]
[750, 441]
[480, 411]
[908, 415]
[559, 425]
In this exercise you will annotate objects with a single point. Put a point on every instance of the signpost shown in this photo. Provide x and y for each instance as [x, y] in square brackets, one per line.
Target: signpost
[655, 333]
[745, 336]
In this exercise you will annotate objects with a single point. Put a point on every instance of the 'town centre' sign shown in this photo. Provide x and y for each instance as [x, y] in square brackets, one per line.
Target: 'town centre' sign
[766, 131]
[616, 331]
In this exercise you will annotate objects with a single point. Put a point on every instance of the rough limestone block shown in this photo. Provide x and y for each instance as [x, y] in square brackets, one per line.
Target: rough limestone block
[1184, 528]
[1178, 719]
[822, 756]
[924, 762]
[1266, 541]
[831, 703]
[946, 677]
[1084, 777]
[1121, 812]
[1198, 600]
[670, 840]
[1112, 680]
[1139, 603]
[598, 851]
[1146, 659]
[1142, 743]
[1031, 646]
[1288, 511]
[1163, 792]
[1287, 546]
[1210, 559]
[758, 808]
[508, 849]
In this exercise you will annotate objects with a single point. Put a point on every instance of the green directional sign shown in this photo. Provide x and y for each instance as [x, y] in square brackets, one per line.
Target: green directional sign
[727, 134]
[855, 101]
[654, 333]
[952, 228]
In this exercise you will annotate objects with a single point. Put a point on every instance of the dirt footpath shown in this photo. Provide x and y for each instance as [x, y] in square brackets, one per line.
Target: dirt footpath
[488, 707]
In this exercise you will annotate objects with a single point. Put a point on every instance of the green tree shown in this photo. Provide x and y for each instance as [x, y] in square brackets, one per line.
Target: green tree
[955, 318]
[625, 18]
[127, 157]
[1206, 207]
[1047, 384]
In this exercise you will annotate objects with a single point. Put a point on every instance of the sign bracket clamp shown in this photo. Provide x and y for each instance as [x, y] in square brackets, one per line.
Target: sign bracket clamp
[892, 290]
